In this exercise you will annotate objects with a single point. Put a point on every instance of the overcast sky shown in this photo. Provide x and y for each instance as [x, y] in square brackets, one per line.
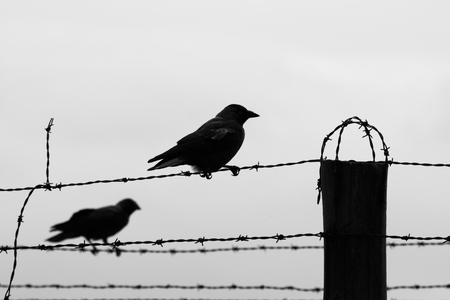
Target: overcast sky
[124, 80]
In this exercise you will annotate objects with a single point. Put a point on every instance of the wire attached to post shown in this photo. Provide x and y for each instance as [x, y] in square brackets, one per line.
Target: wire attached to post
[367, 128]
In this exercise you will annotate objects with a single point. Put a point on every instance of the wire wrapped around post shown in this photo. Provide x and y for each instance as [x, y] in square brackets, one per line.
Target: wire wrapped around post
[354, 207]
[367, 133]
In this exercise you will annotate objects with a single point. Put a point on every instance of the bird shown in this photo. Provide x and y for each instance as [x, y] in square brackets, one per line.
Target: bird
[95, 224]
[212, 145]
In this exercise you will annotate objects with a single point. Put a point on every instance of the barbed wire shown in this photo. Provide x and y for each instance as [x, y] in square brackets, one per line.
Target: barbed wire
[166, 286]
[20, 218]
[173, 251]
[417, 244]
[234, 249]
[47, 169]
[59, 186]
[160, 242]
[367, 128]
[206, 287]
[161, 299]
[16, 236]
[419, 287]
[241, 238]
[421, 164]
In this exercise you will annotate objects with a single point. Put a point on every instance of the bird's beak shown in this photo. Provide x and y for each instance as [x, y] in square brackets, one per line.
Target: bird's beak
[251, 114]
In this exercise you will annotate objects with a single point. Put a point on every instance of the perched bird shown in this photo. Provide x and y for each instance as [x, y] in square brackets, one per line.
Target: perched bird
[212, 145]
[96, 224]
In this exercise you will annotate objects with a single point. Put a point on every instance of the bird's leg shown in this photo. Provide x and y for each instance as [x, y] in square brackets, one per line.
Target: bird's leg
[94, 250]
[234, 169]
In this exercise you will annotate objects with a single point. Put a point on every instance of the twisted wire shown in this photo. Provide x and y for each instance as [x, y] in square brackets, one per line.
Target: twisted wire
[167, 286]
[132, 179]
[188, 174]
[16, 236]
[207, 287]
[241, 238]
[159, 299]
[174, 251]
[367, 128]
[47, 169]
[22, 210]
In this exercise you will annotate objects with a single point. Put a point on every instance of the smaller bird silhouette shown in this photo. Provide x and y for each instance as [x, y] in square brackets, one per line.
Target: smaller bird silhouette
[96, 224]
[211, 146]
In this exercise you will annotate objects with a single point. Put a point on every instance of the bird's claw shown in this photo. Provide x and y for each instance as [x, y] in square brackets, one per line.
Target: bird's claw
[234, 170]
[94, 250]
[206, 175]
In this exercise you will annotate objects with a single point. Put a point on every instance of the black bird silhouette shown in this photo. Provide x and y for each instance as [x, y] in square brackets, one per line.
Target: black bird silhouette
[96, 224]
[212, 145]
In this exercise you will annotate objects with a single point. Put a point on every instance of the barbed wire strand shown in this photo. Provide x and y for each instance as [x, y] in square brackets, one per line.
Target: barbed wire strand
[16, 236]
[421, 164]
[234, 249]
[257, 166]
[207, 287]
[47, 169]
[182, 174]
[167, 286]
[160, 242]
[241, 238]
[173, 251]
[160, 299]
[419, 287]
[22, 210]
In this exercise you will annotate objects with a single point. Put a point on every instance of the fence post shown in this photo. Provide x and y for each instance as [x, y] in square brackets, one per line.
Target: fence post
[354, 204]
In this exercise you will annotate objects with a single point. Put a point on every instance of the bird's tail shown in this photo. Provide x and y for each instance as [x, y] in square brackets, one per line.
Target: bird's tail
[167, 163]
[61, 237]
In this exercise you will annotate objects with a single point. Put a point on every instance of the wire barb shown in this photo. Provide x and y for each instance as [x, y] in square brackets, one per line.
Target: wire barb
[159, 242]
[242, 238]
[49, 126]
[255, 167]
[279, 237]
[200, 241]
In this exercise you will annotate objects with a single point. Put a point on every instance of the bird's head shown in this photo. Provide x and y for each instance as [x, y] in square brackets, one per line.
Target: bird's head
[128, 205]
[237, 112]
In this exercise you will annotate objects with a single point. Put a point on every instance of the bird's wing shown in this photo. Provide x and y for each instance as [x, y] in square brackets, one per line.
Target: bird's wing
[76, 221]
[216, 129]
[107, 221]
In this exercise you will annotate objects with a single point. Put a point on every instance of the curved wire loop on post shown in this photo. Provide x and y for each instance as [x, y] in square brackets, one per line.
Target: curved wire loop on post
[367, 128]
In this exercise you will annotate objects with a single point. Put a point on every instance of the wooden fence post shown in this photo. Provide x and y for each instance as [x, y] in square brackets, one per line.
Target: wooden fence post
[354, 208]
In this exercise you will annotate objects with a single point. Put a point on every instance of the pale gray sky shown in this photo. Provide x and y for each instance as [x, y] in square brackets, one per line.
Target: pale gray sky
[125, 80]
